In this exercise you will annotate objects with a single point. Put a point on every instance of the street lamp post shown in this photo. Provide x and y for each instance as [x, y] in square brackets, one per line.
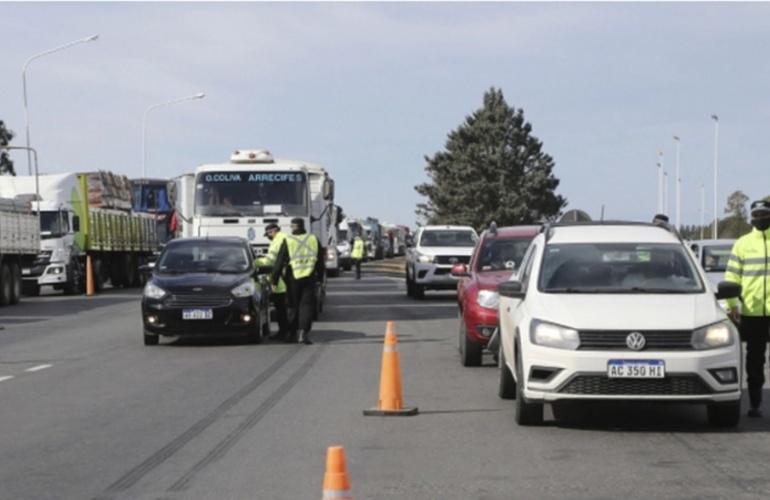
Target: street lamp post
[660, 182]
[665, 192]
[24, 85]
[702, 207]
[678, 188]
[144, 123]
[716, 150]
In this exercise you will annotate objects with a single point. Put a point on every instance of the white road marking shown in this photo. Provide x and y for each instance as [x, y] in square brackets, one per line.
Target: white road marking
[38, 368]
[7, 377]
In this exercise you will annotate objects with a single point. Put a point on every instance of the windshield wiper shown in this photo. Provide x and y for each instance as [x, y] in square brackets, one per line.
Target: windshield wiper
[641, 289]
[574, 290]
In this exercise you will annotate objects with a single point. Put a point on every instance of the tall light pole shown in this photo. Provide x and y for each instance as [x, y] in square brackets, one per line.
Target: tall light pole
[665, 193]
[24, 85]
[702, 207]
[716, 151]
[678, 188]
[660, 182]
[200, 95]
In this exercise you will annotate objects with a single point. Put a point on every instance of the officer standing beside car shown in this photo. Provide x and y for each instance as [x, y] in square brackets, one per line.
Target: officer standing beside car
[278, 295]
[300, 259]
[357, 254]
[749, 266]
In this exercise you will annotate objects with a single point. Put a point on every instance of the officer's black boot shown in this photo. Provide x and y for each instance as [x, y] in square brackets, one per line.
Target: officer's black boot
[755, 401]
[304, 337]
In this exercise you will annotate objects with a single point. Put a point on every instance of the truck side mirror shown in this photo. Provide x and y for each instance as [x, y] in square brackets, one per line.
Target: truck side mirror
[75, 223]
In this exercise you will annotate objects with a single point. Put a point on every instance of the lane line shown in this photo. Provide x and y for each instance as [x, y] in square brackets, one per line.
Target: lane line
[6, 377]
[38, 368]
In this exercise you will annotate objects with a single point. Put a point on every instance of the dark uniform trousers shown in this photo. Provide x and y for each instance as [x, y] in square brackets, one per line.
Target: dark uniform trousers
[281, 314]
[357, 264]
[302, 304]
[754, 331]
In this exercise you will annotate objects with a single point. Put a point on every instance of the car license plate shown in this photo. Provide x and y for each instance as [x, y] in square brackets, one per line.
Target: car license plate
[636, 368]
[197, 314]
[26, 271]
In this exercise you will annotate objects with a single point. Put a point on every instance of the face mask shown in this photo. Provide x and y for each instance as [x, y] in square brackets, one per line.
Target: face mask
[761, 224]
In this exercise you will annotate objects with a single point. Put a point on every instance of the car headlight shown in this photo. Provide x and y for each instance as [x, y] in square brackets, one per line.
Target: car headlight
[245, 290]
[550, 335]
[153, 291]
[331, 254]
[488, 298]
[425, 259]
[721, 334]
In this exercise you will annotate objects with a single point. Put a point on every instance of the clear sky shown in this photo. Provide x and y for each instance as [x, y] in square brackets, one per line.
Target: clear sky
[369, 89]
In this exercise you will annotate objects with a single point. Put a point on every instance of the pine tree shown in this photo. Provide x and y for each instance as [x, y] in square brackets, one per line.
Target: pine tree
[6, 164]
[493, 169]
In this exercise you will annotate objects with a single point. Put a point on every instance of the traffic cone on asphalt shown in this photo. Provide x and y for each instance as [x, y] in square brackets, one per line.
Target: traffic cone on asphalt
[89, 276]
[336, 479]
[391, 403]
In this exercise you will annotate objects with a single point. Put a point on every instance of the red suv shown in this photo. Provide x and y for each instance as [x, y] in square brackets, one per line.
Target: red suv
[498, 253]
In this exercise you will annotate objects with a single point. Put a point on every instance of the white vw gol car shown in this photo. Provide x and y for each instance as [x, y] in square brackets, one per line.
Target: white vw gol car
[616, 311]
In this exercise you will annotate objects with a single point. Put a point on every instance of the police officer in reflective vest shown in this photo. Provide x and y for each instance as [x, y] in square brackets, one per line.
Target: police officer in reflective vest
[357, 254]
[300, 255]
[278, 296]
[749, 266]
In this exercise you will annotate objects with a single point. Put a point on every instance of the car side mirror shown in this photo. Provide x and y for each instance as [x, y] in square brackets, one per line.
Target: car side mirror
[75, 223]
[459, 270]
[728, 290]
[512, 289]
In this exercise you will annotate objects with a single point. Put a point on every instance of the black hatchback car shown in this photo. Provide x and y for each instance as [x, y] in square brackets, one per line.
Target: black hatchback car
[206, 287]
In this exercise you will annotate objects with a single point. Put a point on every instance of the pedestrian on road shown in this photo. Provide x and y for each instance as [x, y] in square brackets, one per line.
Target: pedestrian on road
[749, 266]
[278, 295]
[300, 259]
[357, 254]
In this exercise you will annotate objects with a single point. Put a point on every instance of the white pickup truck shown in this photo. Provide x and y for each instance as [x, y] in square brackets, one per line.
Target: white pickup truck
[436, 249]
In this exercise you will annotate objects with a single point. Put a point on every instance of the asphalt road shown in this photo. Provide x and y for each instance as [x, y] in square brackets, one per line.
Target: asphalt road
[90, 413]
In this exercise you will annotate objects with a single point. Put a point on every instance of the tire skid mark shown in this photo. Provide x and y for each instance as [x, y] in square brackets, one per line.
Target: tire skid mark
[232, 439]
[144, 468]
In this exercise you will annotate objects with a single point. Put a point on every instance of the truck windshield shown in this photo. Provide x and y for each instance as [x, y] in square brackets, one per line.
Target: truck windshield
[251, 193]
[53, 225]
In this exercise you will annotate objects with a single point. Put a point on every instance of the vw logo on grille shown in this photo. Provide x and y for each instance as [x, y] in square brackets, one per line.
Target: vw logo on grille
[635, 341]
[453, 260]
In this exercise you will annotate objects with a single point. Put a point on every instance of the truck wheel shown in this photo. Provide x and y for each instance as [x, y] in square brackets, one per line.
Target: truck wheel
[127, 268]
[419, 291]
[16, 283]
[116, 275]
[6, 285]
[97, 271]
[506, 385]
[30, 289]
[75, 285]
[409, 286]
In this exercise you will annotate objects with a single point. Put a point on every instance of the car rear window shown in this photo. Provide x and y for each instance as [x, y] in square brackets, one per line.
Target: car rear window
[499, 254]
[448, 238]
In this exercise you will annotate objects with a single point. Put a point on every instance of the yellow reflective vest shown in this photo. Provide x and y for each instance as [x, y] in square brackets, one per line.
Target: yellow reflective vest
[749, 266]
[358, 248]
[269, 259]
[303, 254]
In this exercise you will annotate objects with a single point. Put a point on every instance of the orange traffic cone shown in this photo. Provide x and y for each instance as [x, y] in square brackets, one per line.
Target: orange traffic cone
[89, 276]
[336, 479]
[390, 380]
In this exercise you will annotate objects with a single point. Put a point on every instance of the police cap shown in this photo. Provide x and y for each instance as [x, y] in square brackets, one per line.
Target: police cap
[271, 226]
[760, 207]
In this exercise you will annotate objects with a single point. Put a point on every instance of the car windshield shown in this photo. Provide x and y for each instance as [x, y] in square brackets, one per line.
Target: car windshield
[448, 238]
[502, 254]
[714, 257]
[204, 257]
[618, 268]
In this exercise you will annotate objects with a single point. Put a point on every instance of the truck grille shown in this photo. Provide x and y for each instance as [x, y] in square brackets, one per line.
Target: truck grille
[600, 385]
[661, 340]
[447, 259]
[198, 300]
